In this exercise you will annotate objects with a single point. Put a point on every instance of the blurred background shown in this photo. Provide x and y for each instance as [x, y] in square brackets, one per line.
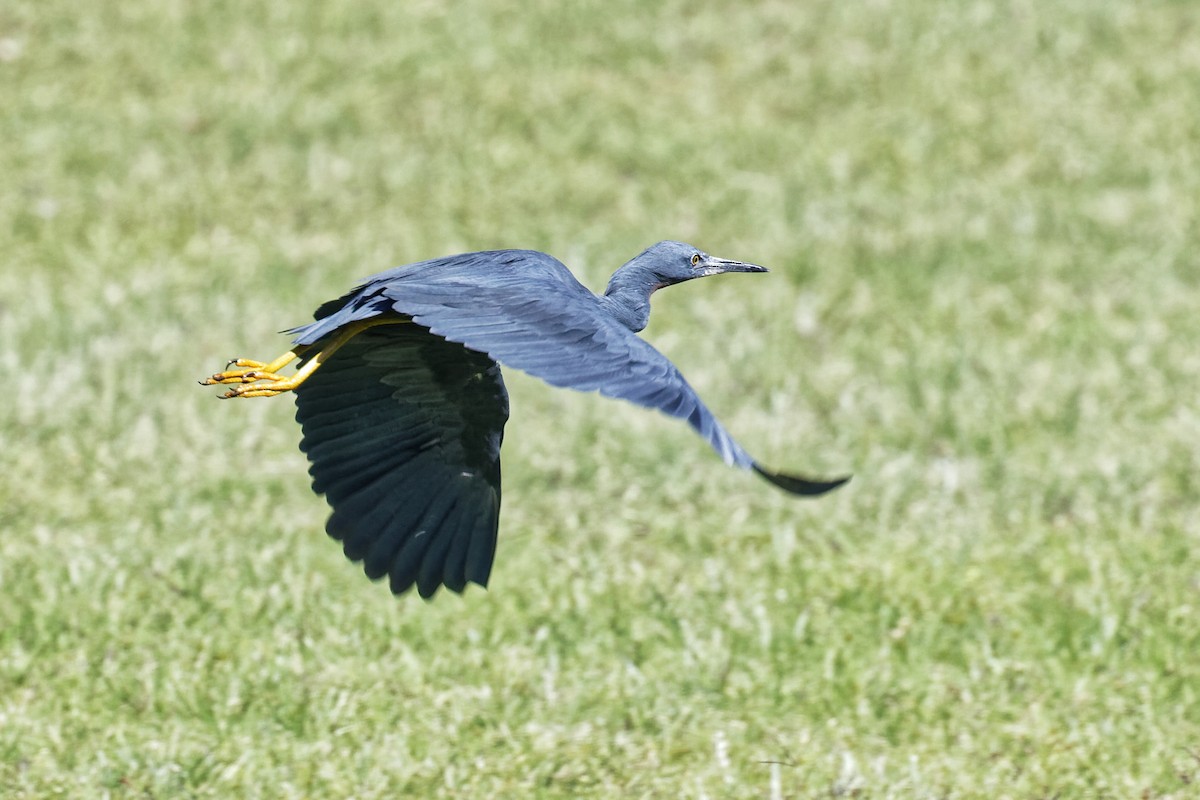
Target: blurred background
[981, 220]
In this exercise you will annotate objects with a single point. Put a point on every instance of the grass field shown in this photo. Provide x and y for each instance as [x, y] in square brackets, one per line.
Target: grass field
[985, 303]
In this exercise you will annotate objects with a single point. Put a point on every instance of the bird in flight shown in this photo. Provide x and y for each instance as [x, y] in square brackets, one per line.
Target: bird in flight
[402, 405]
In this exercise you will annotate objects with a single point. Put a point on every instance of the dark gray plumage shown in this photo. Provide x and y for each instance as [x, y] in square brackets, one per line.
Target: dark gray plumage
[403, 424]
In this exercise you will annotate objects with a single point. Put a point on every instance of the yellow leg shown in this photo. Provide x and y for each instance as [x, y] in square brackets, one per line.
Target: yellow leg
[263, 380]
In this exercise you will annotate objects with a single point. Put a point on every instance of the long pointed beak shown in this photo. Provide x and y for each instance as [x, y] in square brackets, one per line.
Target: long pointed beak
[716, 266]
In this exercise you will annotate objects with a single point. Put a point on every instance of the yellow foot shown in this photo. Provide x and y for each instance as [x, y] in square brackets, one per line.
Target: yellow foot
[257, 378]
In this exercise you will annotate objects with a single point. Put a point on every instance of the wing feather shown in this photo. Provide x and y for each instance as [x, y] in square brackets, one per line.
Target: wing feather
[468, 513]
[402, 430]
[406, 566]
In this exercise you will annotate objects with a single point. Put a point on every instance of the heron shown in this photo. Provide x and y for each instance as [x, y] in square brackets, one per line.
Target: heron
[402, 405]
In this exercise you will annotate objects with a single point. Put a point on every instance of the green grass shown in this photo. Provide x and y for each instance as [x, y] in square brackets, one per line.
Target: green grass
[982, 224]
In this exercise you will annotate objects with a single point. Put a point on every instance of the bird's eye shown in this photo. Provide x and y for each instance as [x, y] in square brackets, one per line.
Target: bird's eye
[695, 259]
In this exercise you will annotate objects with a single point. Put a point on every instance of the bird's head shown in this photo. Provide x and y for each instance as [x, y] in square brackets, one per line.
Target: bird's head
[663, 264]
[675, 262]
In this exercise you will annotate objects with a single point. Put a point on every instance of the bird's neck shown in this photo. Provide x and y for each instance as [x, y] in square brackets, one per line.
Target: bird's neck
[628, 297]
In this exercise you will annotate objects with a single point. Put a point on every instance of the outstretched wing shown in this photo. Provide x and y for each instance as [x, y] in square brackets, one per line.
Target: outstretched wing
[526, 310]
[402, 430]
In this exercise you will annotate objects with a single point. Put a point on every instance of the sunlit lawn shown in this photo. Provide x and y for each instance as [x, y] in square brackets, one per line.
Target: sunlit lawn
[982, 226]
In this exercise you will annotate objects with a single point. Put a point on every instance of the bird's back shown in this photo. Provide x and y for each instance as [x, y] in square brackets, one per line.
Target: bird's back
[501, 269]
[465, 278]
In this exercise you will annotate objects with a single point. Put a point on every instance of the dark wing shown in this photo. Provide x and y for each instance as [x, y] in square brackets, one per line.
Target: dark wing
[526, 310]
[402, 430]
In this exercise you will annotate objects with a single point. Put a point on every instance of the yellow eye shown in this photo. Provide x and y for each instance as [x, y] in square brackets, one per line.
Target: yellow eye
[695, 259]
